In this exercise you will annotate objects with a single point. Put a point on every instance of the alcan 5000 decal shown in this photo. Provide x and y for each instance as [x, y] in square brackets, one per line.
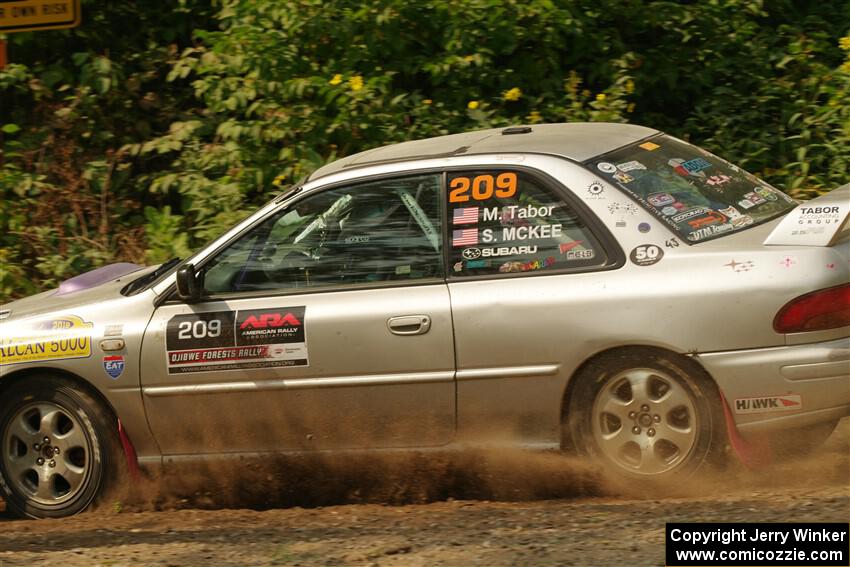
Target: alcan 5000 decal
[236, 340]
[59, 338]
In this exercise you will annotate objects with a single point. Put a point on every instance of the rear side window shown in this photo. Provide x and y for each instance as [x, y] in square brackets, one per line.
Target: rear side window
[699, 195]
[507, 222]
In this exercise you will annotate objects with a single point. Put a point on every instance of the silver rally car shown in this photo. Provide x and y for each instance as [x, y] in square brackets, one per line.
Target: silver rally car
[599, 287]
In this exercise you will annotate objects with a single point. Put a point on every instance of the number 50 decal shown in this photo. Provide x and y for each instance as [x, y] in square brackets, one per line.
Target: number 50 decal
[482, 187]
[646, 254]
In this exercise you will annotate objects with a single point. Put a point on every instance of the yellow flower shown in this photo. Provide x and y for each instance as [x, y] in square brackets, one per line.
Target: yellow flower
[630, 86]
[512, 94]
[845, 67]
[534, 117]
[427, 102]
[472, 104]
[844, 43]
[278, 181]
[356, 82]
[630, 108]
[469, 58]
[601, 97]
[336, 80]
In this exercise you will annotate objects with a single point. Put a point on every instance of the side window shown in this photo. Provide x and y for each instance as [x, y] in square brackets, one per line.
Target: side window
[372, 232]
[506, 222]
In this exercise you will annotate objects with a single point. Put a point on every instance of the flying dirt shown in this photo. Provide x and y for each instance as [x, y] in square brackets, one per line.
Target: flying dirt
[488, 508]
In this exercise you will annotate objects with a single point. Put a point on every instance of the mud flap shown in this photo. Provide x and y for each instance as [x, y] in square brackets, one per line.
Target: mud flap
[753, 453]
[129, 452]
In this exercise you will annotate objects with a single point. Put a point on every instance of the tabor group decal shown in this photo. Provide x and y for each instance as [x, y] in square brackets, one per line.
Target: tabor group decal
[59, 338]
[235, 340]
[768, 404]
[817, 220]
[816, 223]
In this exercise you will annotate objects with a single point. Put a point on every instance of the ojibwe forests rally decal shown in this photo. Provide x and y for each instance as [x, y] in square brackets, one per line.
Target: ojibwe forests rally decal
[58, 338]
[236, 340]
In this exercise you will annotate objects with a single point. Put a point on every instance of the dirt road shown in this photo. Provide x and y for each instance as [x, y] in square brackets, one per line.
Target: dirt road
[538, 510]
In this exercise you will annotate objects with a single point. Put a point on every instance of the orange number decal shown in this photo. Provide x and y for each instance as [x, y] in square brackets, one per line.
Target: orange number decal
[482, 187]
[460, 190]
[506, 185]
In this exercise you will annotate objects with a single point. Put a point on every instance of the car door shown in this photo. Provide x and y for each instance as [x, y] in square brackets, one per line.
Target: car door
[526, 298]
[325, 325]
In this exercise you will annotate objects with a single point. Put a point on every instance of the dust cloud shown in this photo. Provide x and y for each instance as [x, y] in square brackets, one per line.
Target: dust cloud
[396, 478]
[311, 480]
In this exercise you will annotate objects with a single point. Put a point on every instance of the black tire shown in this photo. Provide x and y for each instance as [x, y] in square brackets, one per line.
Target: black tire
[646, 416]
[63, 476]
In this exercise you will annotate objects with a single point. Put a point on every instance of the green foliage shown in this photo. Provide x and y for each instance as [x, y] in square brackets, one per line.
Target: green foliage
[153, 127]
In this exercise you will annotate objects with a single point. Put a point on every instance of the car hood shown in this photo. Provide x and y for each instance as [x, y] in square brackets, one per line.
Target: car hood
[82, 291]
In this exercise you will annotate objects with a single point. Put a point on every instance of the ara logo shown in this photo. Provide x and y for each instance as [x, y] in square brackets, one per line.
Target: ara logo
[114, 365]
[270, 320]
[769, 404]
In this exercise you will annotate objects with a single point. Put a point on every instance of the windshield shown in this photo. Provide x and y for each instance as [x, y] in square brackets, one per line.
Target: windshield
[152, 278]
[699, 195]
[146, 280]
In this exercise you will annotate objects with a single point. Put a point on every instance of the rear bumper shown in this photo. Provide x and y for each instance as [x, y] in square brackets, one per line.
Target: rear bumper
[783, 387]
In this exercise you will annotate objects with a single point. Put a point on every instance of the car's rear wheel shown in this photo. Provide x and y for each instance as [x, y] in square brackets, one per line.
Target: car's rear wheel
[646, 416]
[59, 446]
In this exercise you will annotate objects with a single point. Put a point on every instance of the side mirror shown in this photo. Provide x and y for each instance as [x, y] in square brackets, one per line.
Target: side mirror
[188, 288]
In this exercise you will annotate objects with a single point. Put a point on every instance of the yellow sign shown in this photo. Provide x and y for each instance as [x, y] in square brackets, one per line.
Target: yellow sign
[54, 339]
[33, 15]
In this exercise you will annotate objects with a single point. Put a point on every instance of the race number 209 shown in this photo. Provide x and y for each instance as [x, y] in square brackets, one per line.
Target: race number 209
[482, 187]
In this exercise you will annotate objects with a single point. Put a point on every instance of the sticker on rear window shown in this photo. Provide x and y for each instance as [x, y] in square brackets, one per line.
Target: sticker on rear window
[689, 189]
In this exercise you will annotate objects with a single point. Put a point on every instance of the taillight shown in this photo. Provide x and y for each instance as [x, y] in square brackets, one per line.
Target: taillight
[817, 311]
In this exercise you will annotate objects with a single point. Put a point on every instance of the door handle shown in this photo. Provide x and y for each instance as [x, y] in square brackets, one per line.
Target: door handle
[409, 324]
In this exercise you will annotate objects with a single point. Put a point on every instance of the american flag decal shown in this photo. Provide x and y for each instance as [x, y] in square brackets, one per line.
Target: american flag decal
[465, 237]
[465, 215]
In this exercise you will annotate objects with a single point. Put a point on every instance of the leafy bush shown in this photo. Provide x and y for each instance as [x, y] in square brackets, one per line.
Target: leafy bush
[149, 129]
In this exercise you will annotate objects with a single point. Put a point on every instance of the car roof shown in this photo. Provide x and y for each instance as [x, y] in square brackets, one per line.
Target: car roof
[578, 141]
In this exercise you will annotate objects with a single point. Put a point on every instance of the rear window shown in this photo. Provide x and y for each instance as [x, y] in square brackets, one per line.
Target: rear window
[700, 195]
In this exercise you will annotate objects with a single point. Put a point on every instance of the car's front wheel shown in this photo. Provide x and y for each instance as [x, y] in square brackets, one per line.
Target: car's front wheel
[646, 416]
[58, 447]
